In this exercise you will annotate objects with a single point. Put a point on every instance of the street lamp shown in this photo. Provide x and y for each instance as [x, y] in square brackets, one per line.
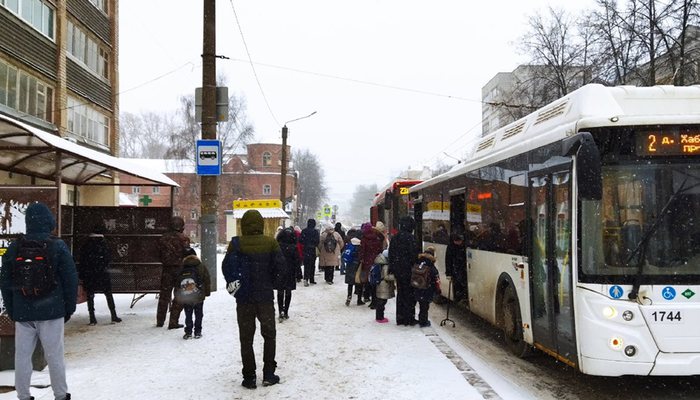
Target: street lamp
[283, 174]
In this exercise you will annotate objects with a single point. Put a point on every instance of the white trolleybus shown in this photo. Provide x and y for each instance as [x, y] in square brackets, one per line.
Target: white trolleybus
[582, 227]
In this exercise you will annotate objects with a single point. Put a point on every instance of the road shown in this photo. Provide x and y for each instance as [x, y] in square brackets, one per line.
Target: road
[541, 376]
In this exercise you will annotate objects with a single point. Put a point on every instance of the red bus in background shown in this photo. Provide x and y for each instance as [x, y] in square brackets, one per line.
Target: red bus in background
[392, 203]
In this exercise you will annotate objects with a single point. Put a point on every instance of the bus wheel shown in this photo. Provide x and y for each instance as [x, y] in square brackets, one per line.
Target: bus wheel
[513, 324]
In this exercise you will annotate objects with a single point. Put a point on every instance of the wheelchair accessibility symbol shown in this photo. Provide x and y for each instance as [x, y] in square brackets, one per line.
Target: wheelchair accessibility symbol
[668, 293]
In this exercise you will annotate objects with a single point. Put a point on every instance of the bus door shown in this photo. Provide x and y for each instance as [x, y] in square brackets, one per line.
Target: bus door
[550, 262]
[458, 202]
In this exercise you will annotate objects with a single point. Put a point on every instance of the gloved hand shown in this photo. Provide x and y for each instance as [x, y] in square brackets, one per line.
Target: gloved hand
[66, 318]
[233, 287]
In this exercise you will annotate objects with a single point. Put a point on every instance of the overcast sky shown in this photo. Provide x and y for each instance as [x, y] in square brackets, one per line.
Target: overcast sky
[395, 83]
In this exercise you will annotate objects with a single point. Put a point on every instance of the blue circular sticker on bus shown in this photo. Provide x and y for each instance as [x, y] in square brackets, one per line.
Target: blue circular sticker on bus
[616, 291]
[668, 293]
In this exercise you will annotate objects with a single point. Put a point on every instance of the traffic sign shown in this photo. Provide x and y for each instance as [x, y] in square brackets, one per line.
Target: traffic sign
[208, 155]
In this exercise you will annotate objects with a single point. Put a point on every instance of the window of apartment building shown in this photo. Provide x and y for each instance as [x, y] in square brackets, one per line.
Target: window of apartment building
[193, 214]
[36, 13]
[25, 93]
[100, 4]
[85, 121]
[267, 189]
[156, 189]
[87, 51]
[267, 159]
[136, 189]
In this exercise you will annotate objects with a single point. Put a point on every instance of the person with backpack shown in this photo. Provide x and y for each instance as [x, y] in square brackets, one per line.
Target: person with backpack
[425, 280]
[286, 282]
[403, 253]
[250, 267]
[40, 298]
[329, 253]
[94, 258]
[194, 285]
[309, 239]
[351, 255]
[171, 247]
[384, 282]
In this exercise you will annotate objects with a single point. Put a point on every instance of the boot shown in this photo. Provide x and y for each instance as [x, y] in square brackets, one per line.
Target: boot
[91, 310]
[112, 308]
[347, 301]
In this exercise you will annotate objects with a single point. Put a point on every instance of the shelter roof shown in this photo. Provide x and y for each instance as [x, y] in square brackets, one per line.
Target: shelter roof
[31, 151]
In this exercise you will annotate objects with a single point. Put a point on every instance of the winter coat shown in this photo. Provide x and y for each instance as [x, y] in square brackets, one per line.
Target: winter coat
[427, 295]
[172, 245]
[261, 256]
[202, 271]
[372, 244]
[354, 262]
[286, 277]
[339, 228]
[386, 288]
[403, 251]
[456, 259]
[309, 239]
[327, 259]
[60, 302]
[94, 258]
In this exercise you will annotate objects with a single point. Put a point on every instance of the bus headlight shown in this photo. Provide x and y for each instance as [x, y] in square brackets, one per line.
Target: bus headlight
[630, 351]
[615, 343]
[609, 312]
[627, 315]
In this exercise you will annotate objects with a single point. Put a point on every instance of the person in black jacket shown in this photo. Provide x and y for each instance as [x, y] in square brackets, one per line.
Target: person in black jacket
[403, 253]
[339, 228]
[94, 259]
[286, 278]
[261, 259]
[310, 238]
[456, 266]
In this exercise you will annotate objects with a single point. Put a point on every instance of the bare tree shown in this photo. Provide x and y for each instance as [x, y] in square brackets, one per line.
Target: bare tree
[361, 202]
[554, 44]
[144, 135]
[233, 133]
[310, 186]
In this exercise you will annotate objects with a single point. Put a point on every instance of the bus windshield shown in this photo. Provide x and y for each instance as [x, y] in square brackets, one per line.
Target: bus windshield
[647, 223]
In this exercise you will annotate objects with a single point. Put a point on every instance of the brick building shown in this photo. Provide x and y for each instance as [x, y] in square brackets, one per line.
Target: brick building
[254, 175]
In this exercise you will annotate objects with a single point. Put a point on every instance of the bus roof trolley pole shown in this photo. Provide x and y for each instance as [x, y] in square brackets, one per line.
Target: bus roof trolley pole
[588, 166]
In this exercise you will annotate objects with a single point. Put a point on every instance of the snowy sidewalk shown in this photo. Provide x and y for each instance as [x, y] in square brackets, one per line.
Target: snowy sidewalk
[324, 351]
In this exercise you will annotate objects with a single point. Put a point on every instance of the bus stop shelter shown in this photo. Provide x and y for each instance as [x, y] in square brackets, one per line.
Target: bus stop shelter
[40, 166]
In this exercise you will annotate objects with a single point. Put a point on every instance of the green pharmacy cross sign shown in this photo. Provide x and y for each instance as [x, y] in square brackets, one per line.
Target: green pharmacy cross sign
[145, 200]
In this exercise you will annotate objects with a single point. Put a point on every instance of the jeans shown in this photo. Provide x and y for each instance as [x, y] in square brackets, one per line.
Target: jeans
[198, 310]
[265, 313]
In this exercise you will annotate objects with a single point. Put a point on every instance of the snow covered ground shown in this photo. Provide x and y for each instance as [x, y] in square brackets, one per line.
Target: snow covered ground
[324, 351]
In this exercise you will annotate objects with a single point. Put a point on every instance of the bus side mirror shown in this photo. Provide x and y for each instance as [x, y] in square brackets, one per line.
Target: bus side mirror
[388, 199]
[588, 165]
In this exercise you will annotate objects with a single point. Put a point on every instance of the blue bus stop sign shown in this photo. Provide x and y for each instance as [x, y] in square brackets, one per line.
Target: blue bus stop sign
[208, 156]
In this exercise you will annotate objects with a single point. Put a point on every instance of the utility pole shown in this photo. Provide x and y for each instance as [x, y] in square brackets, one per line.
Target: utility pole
[209, 184]
[283, 173]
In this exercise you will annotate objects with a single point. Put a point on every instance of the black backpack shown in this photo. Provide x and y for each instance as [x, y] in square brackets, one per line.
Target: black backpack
[189, 286]
[34, 274]
[420, 276]
[329, 243]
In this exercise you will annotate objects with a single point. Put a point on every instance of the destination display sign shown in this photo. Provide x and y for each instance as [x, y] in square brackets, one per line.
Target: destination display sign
[668, 143]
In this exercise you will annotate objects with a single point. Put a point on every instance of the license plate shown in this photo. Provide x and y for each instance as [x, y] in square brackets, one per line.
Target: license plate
[667, 316]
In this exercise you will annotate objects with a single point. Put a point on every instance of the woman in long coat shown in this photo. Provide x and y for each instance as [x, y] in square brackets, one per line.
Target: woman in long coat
[328, 261]
[286, 279]
[372, 245]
